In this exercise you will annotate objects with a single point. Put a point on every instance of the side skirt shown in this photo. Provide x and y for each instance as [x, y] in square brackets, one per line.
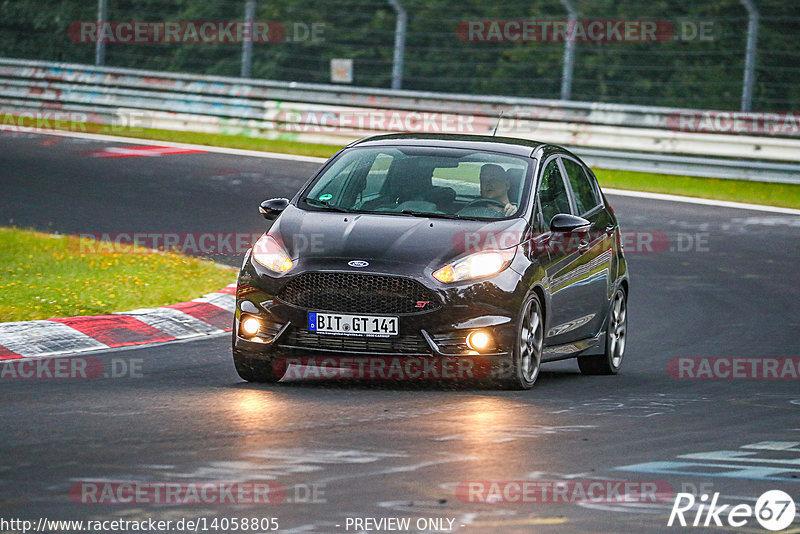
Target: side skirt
[584, 347]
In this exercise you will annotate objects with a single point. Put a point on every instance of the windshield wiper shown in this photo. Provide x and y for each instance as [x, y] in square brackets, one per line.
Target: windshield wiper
[435, 215]
[316, 203]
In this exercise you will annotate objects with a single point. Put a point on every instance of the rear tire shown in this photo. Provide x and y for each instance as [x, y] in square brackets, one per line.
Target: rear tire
[616, 336]
[526, 359]
[253, 369]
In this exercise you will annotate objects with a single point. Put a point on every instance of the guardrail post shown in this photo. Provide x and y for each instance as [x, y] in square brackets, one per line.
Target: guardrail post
[100, 45]
[399, 44]
[247, 43]
[750, 55]
[569, 51]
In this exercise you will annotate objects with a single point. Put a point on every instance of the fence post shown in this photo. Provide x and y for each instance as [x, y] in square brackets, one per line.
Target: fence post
[247, 43]
[750, 55]
[399, 44]
[100, 45]
[569, 51]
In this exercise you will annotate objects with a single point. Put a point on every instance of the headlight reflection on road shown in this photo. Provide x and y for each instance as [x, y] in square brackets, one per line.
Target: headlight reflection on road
[492, 431]
[485, 430]
[488, 419]
[255, 409]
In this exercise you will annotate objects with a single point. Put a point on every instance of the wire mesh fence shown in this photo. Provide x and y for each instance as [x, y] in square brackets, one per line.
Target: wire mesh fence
[670, 53]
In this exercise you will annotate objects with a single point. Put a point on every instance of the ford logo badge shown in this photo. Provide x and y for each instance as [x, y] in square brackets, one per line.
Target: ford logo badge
[357, 263]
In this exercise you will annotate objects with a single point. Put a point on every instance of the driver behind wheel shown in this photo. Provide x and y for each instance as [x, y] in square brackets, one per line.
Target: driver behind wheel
[495, 186]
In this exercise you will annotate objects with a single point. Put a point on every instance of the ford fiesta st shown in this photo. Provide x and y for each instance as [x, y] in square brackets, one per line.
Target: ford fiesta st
[438, 246]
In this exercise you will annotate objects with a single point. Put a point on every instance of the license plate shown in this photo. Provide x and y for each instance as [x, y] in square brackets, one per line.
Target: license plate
[352, 325]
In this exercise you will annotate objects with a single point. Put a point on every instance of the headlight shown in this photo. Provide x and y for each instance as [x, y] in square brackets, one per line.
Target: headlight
[271, 255]
[478, 265]
[250, 325]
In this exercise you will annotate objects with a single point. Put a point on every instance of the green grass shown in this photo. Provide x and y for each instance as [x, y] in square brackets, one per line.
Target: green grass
[236, 141]
[284, 145]
[44, 276]
[784, 195]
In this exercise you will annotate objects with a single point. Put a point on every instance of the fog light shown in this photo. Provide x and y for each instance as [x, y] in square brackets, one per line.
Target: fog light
[250, 326]
[478, 340]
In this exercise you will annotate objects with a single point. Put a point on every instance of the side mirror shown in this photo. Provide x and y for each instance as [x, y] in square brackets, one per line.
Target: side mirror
[273, 207]
[568, 223]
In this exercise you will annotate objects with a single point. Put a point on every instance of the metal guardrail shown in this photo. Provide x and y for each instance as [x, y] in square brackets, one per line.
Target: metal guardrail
[317, 113]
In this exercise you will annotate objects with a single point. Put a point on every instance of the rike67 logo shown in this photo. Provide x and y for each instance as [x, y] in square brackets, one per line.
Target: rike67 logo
[774, 510]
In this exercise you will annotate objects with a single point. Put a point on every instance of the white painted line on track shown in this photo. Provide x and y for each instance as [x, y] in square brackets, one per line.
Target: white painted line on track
[703, 201]
[205, 148]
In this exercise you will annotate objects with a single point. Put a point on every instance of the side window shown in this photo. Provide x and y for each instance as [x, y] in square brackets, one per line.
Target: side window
[585, 194]
[553, 196]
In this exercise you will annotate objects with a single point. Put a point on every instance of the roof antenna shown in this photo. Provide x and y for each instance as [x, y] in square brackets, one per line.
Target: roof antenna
[498, 122]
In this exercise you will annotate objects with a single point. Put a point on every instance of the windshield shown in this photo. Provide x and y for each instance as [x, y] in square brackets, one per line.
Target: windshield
[424, 181]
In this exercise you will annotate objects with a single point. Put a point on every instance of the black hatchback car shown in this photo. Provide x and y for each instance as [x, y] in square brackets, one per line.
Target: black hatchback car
[437, 246]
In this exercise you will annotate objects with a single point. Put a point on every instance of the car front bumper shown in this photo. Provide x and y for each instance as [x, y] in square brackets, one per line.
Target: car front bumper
[489, 305]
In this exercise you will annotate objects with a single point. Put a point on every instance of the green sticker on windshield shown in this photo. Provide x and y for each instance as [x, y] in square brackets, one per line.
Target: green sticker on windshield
[325, 197]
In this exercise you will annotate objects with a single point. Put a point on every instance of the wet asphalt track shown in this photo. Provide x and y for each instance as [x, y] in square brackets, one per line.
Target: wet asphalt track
[399, 449]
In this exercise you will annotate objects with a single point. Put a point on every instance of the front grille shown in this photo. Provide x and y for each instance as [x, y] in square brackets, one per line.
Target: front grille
[394, 345]
[358, 293]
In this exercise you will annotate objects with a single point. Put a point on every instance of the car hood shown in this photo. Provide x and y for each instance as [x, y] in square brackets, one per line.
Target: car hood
[309, 235]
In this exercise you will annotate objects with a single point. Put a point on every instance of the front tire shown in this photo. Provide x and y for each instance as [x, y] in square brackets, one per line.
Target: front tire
[527, 355]
[253, 369]
[616, 336]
